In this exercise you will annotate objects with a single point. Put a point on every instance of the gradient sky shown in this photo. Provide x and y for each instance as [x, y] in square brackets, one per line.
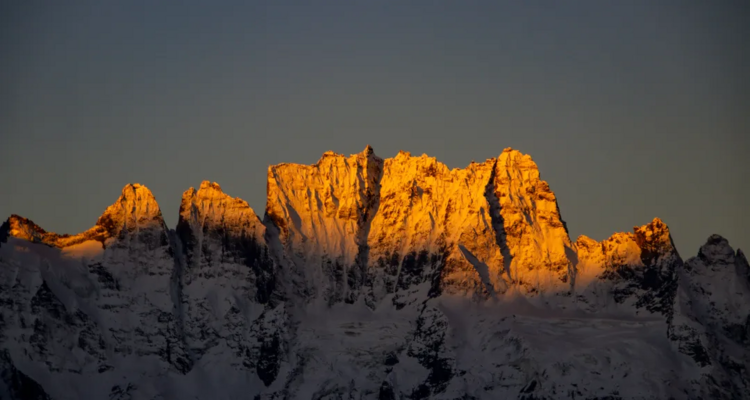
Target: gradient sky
[631, 109]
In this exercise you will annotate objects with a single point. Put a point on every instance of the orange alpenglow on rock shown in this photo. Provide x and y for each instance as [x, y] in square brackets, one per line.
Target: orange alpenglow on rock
[363, 227]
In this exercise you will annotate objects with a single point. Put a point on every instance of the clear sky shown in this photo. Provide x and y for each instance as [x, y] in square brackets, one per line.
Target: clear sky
[631, 109]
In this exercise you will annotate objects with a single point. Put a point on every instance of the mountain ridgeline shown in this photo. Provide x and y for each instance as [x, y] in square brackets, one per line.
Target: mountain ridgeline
[368, 279]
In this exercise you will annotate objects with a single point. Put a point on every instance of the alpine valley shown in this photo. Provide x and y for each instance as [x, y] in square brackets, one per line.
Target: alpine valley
[368, 279]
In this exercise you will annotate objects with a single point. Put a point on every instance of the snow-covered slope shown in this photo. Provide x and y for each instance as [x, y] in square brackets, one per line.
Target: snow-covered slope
[368, 279]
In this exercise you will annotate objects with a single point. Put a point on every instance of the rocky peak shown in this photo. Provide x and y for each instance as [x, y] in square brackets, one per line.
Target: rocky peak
[208, 186]
[716, 252]
[637, 268]
[717, 258]
[654, 241]
[210, 197]
[654, 231]
[209, 212]
[23, 228]
[646, 245]
[136, 209]
[533, 231]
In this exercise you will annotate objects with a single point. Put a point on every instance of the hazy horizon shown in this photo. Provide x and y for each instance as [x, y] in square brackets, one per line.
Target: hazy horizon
[631, 110]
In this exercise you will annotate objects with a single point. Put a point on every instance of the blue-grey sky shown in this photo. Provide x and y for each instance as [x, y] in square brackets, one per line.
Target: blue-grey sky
[631, 109]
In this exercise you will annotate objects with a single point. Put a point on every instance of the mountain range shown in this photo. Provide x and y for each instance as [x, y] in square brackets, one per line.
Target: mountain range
[368, 278]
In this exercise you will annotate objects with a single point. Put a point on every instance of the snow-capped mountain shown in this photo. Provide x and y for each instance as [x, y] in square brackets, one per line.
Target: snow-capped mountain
[368, 279]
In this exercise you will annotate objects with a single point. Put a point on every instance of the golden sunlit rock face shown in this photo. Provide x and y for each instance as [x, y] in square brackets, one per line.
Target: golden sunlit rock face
[630, 266]
[535, 233]
[410, 220]
[360, 227]
[433, 225]
[322, 212]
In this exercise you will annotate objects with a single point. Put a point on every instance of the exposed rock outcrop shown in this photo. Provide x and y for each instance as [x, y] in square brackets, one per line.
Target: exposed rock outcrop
[637, 269]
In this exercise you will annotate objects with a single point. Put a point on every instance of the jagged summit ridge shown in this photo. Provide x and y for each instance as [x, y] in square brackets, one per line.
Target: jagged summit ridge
[363, 220]
[368, 214]
[361, 227]
[369, 278]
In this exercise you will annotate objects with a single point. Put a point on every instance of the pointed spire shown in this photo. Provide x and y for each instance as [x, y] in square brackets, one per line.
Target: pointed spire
[135, 209]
